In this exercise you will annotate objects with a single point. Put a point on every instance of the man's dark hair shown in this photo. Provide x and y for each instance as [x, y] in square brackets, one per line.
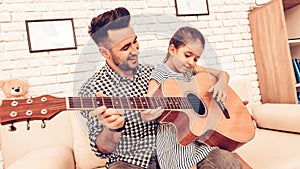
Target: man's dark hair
[114, 19]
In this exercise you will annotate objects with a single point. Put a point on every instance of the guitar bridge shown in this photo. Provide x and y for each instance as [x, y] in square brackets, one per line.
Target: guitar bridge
[223, 108]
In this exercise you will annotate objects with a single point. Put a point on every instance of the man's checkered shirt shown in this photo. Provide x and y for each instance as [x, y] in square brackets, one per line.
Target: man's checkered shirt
[137, 143]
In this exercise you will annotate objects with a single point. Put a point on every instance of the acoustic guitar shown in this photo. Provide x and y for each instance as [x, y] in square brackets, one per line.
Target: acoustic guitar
[188, 106]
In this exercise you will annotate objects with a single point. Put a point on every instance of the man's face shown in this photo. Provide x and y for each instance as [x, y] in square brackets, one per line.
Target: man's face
[123, 54]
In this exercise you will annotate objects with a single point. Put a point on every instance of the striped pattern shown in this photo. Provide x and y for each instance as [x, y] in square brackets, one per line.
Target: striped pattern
[163, 72]
[171, 155]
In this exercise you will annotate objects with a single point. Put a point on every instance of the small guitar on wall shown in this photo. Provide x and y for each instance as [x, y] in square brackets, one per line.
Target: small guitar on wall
[188, 106]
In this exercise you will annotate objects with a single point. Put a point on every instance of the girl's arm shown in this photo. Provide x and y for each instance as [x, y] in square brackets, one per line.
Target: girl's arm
[153, 85]
[219, 88]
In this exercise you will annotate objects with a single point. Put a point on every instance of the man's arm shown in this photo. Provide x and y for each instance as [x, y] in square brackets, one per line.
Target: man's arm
[103, 140]
[108, 139]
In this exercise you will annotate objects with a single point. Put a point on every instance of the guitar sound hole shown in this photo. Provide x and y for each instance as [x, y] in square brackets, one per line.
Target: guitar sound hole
[196, 103]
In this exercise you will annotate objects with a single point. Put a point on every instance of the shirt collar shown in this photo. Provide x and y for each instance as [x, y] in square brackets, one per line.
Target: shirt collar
[116, 77]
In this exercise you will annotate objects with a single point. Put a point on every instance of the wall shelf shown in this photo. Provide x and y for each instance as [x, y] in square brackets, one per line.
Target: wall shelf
[276, 76]
[294, 42]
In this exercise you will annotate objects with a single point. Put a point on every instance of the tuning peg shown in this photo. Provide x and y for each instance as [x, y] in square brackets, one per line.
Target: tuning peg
[14, 103]
[12, 127]
[43, 125]
[28, 125]
[29, 100]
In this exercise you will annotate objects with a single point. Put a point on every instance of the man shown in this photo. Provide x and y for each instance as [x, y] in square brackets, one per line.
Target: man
[126, 138]
[132, 142]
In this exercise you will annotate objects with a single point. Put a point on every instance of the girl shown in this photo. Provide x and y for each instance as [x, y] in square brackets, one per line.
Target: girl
[185, 48]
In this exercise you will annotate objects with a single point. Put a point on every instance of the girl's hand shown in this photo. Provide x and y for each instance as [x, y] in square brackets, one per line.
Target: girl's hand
[151, 114]
[218, 91]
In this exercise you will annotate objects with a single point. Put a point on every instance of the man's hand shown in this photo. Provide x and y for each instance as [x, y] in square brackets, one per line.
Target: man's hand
[108, 140]
[111, 118]
[151, 114]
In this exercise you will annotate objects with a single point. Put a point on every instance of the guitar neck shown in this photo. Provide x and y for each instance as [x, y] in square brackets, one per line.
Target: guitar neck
[47, 106]
[132, 103]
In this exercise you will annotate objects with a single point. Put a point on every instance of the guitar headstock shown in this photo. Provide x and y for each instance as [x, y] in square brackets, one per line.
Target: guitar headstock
[43, 107]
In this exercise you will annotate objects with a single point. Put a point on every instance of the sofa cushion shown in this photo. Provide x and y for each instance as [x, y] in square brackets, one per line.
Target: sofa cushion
[272, 150]
[16, 144]
[46, 158]
[284, 117]
[84, 156]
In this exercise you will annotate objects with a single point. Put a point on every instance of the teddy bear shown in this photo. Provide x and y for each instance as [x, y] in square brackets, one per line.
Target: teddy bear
[14, 88]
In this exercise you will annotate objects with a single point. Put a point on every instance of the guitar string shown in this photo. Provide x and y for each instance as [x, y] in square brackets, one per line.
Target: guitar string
[23, 102]
[182, 103]
[61, 105]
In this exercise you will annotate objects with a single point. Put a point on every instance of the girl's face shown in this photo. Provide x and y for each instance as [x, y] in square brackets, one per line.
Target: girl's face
[185, 57]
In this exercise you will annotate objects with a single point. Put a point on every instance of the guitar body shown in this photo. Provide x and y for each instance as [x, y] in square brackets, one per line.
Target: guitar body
[206, 121]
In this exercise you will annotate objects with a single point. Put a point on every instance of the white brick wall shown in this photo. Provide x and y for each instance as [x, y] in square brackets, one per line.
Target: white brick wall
[62, 72]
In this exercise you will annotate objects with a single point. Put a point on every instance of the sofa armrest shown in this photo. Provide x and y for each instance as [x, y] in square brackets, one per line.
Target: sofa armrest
[283, 117]
[58, 132]
[84, 156]
[47, 158]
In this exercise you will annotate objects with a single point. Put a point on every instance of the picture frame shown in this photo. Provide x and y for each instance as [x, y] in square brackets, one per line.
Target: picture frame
[191, 7]
[261, 2]
[50, 34]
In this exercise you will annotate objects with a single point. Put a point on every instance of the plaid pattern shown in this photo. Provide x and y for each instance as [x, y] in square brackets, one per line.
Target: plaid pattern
[137, 143]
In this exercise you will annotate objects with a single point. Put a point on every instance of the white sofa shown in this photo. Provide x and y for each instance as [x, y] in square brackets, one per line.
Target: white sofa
[64, 143]
[277, 138]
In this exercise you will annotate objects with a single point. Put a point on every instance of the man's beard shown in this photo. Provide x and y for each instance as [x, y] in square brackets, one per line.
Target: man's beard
[125, 65]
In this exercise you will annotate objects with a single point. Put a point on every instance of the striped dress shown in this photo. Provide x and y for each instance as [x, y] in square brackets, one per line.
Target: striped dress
[172, 155]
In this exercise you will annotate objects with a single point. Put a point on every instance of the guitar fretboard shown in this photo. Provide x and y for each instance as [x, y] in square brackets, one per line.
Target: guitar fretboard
[86, 103]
